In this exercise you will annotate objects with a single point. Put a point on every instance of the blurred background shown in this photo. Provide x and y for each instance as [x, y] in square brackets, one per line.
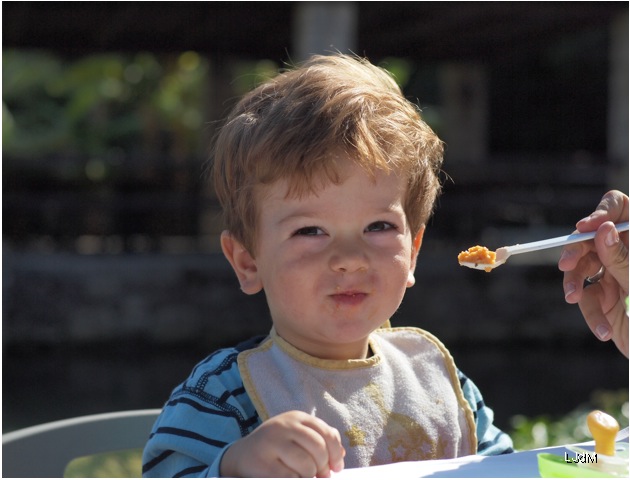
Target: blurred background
[113, 283]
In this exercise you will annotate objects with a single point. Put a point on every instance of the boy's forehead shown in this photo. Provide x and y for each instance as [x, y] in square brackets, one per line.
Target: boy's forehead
[299, 184]
[283, 194]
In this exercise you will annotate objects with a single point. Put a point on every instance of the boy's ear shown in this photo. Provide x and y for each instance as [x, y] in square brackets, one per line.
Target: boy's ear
[242, 262]
[415, 248]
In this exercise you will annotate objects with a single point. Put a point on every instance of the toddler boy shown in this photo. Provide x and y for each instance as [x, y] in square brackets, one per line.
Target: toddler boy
[327, 176]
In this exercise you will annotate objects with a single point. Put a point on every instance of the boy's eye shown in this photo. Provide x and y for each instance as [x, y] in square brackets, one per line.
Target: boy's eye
[379, 227]
[309, 231]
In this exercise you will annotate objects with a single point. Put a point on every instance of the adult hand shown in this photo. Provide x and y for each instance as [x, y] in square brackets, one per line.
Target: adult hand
[292, 444]
[603, 304]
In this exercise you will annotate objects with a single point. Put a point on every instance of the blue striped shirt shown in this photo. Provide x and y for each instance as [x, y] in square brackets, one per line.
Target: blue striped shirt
[211, 410]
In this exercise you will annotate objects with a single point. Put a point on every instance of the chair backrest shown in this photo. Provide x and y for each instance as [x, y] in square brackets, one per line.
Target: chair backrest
[45, 450]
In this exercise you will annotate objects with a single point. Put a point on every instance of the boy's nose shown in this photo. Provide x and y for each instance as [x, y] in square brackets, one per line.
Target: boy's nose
[348, 259]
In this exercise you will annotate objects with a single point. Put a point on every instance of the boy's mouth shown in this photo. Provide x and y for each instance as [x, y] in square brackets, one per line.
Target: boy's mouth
[349, 298]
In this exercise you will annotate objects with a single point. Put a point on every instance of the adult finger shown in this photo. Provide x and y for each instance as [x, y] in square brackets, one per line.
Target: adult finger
[612, 207]
[605, 325]
[572, 253]
[591, 309]
[613, 254]
[573, 280]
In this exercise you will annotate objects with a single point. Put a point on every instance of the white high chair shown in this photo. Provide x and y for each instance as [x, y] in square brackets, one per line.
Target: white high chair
[45, 450]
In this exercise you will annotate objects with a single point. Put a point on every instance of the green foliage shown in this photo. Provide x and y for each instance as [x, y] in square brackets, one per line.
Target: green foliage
[102, 103]
[248, 75]
[400, 69]
[544, 430]
[109, 104]
[123, 464]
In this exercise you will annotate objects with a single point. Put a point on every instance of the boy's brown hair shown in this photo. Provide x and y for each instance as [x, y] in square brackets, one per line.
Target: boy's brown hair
[295, 125]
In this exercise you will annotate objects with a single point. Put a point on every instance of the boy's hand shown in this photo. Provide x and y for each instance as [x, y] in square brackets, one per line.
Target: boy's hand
[292, 444]
[602, 303]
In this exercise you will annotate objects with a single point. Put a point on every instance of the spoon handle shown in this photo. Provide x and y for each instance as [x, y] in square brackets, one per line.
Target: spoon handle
[558, 241]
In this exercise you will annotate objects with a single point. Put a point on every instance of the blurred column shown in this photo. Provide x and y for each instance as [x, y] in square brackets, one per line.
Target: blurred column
[324, 27]
[617, 130]
[464, 99]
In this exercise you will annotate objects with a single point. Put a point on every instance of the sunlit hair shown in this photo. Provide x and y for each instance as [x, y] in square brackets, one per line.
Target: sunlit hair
[296, 125]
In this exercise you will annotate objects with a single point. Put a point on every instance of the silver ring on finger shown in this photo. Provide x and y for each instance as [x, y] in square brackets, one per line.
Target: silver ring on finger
[598, 276]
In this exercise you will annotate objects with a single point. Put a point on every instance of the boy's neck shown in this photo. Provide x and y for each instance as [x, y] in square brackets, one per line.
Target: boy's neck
[331, 352]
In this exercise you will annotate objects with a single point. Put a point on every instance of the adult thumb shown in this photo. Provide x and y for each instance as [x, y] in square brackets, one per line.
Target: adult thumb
[613, 253]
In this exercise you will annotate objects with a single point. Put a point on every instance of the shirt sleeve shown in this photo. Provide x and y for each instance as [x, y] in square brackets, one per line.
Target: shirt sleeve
[490, 439]
[202, 418]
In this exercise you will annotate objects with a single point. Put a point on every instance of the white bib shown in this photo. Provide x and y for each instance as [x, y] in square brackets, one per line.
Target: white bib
[403, 403]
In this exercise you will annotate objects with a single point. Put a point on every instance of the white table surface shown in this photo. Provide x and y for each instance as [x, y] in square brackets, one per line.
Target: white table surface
[512, 465]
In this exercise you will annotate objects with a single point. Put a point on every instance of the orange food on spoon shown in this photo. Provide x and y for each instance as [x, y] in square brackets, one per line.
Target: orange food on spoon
[478, 255]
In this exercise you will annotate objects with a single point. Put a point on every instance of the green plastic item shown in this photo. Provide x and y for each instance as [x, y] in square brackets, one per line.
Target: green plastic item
[554, 466]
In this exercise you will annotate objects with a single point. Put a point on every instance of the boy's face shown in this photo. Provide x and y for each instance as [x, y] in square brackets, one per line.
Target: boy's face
[334, 266]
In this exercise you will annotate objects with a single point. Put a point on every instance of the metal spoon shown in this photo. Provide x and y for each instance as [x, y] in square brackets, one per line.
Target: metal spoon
[504, 252]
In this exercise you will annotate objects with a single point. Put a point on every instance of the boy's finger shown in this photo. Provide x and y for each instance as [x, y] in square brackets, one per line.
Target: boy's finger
[336, 452]
[298, 460]
[308, 454]
[332, 444]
